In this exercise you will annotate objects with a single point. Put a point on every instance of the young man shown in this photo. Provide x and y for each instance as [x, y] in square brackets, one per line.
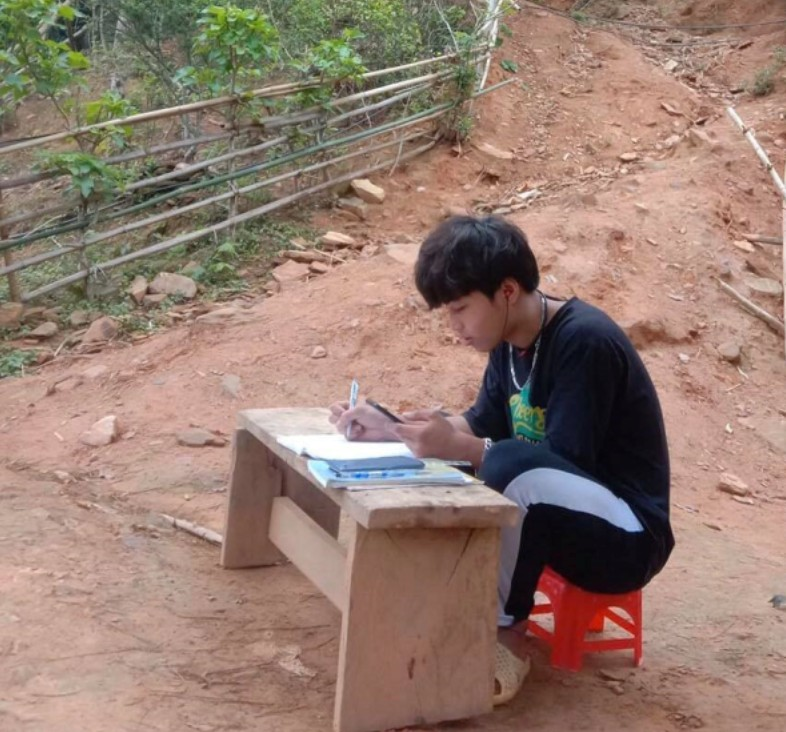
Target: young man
[567, 423]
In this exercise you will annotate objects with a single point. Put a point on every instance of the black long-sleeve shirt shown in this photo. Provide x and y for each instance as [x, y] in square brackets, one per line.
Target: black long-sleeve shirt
[591, 401]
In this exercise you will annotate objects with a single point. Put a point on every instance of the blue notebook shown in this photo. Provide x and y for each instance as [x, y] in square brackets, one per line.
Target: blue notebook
[434, 472]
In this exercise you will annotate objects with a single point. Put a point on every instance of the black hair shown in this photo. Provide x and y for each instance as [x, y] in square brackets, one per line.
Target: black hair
[465, 254]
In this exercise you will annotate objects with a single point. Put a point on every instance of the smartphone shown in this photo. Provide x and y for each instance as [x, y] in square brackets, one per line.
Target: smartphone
[384, 411]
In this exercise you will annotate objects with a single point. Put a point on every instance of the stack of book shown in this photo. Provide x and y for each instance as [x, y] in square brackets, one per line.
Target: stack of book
[366, 474]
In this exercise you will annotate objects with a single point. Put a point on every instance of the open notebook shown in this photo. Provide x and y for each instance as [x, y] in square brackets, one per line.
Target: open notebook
[335, 446]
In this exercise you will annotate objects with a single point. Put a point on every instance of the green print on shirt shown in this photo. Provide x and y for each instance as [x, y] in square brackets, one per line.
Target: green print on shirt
[529, 423]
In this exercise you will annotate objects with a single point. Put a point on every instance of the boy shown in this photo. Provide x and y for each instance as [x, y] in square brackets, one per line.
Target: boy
[567, 423]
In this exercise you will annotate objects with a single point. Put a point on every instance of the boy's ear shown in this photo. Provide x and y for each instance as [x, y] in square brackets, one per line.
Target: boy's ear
[509, 290]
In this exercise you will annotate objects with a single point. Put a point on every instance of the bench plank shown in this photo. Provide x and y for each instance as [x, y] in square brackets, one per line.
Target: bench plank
[389, 508]
[318, 556]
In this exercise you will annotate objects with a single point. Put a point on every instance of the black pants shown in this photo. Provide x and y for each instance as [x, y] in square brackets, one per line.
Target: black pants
[569, 522]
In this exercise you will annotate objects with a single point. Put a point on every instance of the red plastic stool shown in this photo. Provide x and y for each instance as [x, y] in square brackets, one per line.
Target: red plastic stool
[576, 612]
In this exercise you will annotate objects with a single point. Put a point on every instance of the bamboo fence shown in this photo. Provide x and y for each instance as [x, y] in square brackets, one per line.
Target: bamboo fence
[287, 157]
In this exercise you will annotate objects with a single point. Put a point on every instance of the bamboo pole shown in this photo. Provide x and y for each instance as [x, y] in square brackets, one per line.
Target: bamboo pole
[233, 221]
[776, 241]
[751, 138]
[14, 291]
[191, 528]
[751, 307]
[783, 280]
[218, 180]
[278, 90]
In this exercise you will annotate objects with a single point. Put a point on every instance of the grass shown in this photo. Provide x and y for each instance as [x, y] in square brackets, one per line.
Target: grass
[13, 361]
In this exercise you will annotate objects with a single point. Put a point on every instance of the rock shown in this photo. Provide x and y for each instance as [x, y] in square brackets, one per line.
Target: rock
[730, 351]
[138, 289]
[366, 191]
[671, 141]
[763, 285]
[44, 356]
[699, 138]
[641, 208]
[629, 157]
[95, 372]
[222, 315]
[152, 301]
[451, 210]
[11, 314]
[404, 253]
[191, 268]
[319, 352]
[63, 476]
[198, 437]
[671, 65]
[744, 246]
[103, 329]
[167, 283]
[318, 268]
[44, 331]
[730, 483]
[230, 385]
[102, 433]
[671, 109]
[31, 314]
[354, 205]
[494, 152]
[683, 357]
[79, 318]
[52, 314]
[647, 331]
[290, 272]
[337, 240]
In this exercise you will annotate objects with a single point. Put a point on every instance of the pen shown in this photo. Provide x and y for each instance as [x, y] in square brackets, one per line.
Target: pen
[379, 474]
[386, 412]
[353, 400]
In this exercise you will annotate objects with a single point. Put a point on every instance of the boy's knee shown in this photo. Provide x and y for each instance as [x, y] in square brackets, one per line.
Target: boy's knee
[503, 462]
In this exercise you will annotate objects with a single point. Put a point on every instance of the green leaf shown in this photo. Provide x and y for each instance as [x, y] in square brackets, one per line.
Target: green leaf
[66, 12]
[77, 60]
[509, 65]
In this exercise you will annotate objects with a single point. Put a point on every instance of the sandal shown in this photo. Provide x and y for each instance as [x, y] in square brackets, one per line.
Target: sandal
[509, 674]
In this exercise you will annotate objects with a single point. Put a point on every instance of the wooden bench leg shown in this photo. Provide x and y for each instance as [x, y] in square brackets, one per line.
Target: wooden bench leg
[418, 628]
[254, 483]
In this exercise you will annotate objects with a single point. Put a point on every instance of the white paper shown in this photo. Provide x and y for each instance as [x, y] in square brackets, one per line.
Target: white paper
[337, 447]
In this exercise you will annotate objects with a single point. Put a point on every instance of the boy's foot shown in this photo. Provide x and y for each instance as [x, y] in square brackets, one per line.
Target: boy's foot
[509, 674]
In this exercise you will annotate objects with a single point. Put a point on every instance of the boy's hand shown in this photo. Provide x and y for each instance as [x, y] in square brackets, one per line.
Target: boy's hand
[364, 422]
[429, 434]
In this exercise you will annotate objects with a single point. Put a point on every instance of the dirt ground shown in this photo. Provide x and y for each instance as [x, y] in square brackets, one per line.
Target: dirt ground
[110, 620]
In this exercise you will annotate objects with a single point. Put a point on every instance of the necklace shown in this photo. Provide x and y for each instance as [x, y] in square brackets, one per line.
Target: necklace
[544, 313]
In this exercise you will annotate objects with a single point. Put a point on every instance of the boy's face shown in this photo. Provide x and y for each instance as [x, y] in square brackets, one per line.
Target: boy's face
[478, 321]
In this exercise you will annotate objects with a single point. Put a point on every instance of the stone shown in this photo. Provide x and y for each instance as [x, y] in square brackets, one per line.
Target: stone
[52, 314]
[44, 356]
[103, 329]
[629, 157]
[152, 301]
[319, 352]
[672, 141]
[95, 372]
[11, 314]
[198, 437]
[683, 357]
[366, 191]
[222, 315]
[671, 109]
[138, 289]
[648, 331]
[31, 314]
[63, 476]
[730, 351]
[730, 483]
[79, 318]
[452, 210]
[318, 268]
[337, 240]
[763, 285]
[44, 331]
[290, 272]
[167, 283]
[494, 152]
[230, 385]
[102, 433]
[404, 253]
[699, 138]
[671, 65]
[744, 246]
[354, 205]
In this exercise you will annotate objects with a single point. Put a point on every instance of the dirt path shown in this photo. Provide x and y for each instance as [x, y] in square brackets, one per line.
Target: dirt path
[109, 620]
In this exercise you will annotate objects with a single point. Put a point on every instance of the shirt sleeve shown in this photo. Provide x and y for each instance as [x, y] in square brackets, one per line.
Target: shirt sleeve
[587, 375]
[487, 417]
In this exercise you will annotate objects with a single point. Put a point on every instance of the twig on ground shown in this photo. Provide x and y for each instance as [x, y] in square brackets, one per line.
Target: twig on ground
[191, 528]
[753, 309]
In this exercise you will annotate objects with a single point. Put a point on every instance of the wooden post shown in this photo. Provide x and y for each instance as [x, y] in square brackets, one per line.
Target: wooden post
[14, 291]
[418, 628]
[255, 483]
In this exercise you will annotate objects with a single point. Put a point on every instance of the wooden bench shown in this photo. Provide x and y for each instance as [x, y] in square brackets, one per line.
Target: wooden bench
[416, 586]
